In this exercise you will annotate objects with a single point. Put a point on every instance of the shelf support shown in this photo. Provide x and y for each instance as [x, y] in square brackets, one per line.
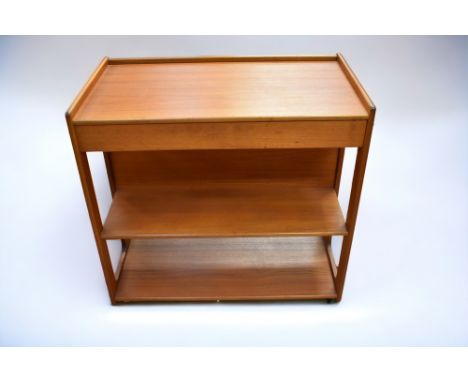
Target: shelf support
[353, 206]
[338, 170]
[93, 210]
[111, 177]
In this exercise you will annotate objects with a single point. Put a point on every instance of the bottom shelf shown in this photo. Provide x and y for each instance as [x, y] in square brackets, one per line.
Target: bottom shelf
[254, 268]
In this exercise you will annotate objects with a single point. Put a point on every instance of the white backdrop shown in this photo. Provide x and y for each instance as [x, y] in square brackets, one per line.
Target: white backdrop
[406, 284]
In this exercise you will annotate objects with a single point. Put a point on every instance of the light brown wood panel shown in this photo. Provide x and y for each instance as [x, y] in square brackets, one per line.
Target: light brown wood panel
[144, 168]
[226, 269]
[224, 209]
[220, 91]
[223, 135]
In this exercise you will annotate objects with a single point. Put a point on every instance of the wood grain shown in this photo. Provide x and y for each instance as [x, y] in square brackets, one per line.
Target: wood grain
[224, 209]
[225, 269]
[221, 91]
[316, 167]
[225, 135]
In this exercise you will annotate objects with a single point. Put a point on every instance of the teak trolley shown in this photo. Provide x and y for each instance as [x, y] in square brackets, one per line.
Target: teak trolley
[224, 174]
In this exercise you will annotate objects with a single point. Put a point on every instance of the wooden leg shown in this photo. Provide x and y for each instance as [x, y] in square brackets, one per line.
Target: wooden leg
[359, 170]
[95, 217]
[350, 222]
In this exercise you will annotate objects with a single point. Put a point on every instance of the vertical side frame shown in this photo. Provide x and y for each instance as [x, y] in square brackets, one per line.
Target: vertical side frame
[111, 177]
[87, 183]
[336, 185]
[354, 199]
[93, 210]
[110, 171]
[358, 177]
[339, 169]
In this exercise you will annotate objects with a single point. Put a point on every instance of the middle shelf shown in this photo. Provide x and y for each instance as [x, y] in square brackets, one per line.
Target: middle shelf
[222, 209]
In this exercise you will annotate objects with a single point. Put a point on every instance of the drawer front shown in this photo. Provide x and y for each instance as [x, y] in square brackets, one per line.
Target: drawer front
[221, 135]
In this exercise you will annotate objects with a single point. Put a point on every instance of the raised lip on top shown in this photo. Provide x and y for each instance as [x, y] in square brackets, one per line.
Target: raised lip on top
[352, 78]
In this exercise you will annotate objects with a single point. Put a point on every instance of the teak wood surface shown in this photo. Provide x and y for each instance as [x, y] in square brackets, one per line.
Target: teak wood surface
[224, 173]
[269, 268]
[228, 209]
[221, 91]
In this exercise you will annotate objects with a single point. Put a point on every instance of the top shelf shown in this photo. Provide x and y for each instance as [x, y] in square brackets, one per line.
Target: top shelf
[220, 89]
